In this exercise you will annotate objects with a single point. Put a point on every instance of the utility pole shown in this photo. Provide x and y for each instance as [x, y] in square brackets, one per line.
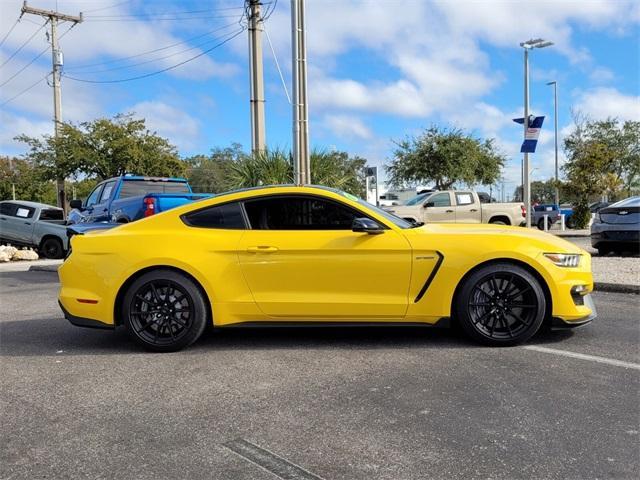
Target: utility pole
[301, 156]
[57, 61]
[258, 135]
[555, 126]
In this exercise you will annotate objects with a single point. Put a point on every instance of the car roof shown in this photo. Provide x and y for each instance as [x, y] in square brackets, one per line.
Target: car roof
[31, 204]
[149, 178]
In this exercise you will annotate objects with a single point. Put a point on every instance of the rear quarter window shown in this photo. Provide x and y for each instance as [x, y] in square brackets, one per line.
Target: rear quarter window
[51, 214]
[228, 216]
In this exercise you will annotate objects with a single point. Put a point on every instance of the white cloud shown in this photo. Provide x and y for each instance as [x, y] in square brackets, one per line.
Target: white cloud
[170, 122]
[600, 103]
[347, 126]
[601, 75]
[13, 125]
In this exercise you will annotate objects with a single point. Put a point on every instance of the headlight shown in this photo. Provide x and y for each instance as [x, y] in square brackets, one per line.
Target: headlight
[564, 259]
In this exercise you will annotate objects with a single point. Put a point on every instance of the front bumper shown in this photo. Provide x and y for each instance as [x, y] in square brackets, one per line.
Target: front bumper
[561, 323]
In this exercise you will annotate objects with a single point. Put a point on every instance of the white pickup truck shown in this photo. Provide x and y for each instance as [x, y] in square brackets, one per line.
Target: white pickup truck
[458, 206]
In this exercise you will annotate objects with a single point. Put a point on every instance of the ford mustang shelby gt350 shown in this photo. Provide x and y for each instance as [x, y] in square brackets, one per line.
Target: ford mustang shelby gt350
[293, 254]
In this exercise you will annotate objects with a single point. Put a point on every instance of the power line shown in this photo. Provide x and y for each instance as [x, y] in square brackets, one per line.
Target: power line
[121, 67]
[108, 62]
[24, 44]
[162, 70]
[10, 30]
[33, 59]
[183, 12]
[107, 7]
[24, 91]
[159, 19]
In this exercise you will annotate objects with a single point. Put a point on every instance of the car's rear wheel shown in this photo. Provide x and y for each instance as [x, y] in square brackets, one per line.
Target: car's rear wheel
[500, 305]
[51, 248]
[164, 311]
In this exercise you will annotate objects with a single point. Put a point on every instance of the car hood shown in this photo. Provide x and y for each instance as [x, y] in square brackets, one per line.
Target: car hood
[552, 243]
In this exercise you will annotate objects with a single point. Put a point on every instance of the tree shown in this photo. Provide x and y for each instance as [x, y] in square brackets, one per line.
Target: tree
[104, 148]
[603, 158]
[212, 173]
[28, 181]
[444, 157]
[541, 191]
[329, 168]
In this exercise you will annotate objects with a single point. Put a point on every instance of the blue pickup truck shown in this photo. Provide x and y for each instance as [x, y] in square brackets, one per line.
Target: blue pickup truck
[128, 198]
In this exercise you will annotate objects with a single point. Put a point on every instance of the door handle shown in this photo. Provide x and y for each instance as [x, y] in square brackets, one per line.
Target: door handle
[449, 211]
[473, 210]
[262, 249]
[27, 223]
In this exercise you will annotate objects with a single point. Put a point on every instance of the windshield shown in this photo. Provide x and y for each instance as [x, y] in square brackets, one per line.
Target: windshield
[417, 199]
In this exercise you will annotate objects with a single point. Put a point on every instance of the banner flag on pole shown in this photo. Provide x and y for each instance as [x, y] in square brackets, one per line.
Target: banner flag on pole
[532, 133]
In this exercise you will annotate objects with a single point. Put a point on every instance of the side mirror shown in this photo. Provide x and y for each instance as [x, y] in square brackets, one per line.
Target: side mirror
[429, 204]
[75, 203]
[366, 225]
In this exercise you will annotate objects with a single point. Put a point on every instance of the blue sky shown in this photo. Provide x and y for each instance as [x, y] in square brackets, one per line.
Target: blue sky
[378, 70]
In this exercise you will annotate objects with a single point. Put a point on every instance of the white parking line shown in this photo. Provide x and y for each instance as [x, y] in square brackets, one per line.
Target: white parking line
[582, 356]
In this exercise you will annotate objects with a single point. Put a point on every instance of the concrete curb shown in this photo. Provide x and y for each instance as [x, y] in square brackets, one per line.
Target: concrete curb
[44, 268]
[617, 287]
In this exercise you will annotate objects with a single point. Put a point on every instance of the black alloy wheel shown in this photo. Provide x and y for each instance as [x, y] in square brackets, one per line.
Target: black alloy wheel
[501, 305]
[164, 311]
[52, 248]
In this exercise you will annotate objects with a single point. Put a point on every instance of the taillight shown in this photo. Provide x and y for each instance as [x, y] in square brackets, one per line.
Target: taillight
[524, 211]
[150, 207]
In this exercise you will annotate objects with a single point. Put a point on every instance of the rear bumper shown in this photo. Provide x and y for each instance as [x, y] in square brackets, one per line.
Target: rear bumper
[84, 322]
[614, 236]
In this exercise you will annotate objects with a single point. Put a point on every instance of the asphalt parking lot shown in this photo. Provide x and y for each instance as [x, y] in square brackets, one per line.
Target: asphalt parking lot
[345, 403]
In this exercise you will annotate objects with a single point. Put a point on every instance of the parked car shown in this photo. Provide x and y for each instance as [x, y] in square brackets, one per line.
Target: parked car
[458, 206]
[292, 254]
[539, 211]
[128, 198]
[35, 225]
[616, 228]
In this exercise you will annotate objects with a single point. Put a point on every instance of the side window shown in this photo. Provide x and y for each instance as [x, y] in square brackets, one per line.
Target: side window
[51, 214]
[24, 212]
[228, 216]
[93, 198]
[440, 200]
[299, 213]
[464, 198]
[106, 191]
[8, 208]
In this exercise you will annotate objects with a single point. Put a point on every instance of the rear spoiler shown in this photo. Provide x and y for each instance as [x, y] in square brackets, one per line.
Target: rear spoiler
[82, 228]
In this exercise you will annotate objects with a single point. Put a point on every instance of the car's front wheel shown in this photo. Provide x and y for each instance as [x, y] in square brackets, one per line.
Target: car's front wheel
[164, 311]
[51, 248]
[500, 304]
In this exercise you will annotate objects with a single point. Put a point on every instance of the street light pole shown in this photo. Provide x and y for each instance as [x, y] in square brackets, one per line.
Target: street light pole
[528, 45]
[555, 127]
[526, 184]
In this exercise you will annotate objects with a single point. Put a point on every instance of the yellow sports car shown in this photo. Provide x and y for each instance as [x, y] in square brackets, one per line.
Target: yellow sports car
[302, 254]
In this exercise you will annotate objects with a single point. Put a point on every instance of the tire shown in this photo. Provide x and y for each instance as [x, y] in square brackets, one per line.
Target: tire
[498, 222]
[541, 224]
[500, 305]
[51, 248]
[604, 251]
[164, 311]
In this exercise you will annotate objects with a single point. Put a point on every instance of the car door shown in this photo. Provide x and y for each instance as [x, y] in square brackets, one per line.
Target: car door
[467, 209]
[439, 208]
[90, 203]
[302, 261]
[100, 209]
[17, 222]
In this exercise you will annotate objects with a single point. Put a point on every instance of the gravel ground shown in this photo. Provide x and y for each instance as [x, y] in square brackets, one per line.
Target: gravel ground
[611, 268]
